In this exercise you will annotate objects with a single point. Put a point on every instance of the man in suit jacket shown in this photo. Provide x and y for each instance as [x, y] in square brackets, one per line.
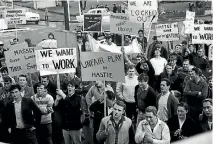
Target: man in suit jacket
[21, 117]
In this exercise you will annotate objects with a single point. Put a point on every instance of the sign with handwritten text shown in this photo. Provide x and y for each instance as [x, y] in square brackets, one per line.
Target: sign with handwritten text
[20, 59]
[141, 10]
[120, 24]
[102, 66]
[56, 61]
[92, 23]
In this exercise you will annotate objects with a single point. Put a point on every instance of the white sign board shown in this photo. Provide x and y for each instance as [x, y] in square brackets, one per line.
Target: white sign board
[189, 22]
[102, 66]
[120, 24]
[202, 34]
[56, 61]
[15, 16]
[210, 54]
[3, 24]
[167, 32]
[141, 11]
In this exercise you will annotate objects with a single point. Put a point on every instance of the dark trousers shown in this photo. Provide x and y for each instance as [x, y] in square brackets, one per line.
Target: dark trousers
[57, 134]
[46, 18]
[131, 110]
[23, 136]
[44, 134]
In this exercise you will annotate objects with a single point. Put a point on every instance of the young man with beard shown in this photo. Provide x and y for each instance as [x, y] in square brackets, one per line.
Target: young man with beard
[116, 129]
[195, 92]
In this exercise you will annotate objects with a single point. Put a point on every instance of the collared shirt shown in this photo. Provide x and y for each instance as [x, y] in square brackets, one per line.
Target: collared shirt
[22, 93]
[160, 133]
[181, 123]
[19, 119]
[162, 107]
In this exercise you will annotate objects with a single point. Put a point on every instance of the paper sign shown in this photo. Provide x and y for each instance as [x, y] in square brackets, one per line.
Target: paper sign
[15, 16]
[210, 54]
[54, 61]
[92, 22]
[142, 10]
[102, 66]
[120, 24]
[202, 34]
[20, 59]
[189, 22]
[3, 24]
[167, 32]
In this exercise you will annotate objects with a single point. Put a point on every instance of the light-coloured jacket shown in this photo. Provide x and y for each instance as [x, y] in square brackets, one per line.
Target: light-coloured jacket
[123, 133]
[160, 134]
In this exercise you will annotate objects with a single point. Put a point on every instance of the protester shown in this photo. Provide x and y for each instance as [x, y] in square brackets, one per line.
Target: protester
[51, 87]
[5, 73]
[96, 91]
[182, 126]
[151, 47]
[152, 129]
[142, 40]
[21, 118]
[173, 62]
[5, 94]
[195, 92]
[144, 96]
[45, 102]
[163, 51]
[158, 62]
[70, 110]
[116, 128]
[178, 52]
[210, 84]
[166, 102]
[125, 92]
[205, 119]
[114, 9]
[98, 108]
[26, 91]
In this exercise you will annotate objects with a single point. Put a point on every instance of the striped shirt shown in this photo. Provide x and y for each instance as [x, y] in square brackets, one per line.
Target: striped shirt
[44, 103]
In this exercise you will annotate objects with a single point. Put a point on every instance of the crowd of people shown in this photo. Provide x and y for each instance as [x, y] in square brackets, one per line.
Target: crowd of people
[166, 96]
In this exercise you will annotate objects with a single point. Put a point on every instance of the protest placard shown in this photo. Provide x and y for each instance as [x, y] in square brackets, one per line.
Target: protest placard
[202, 34]
[3, 24]
[92, 23]
[102, 66]
[167, 32]
[15, 16]
[56, 61]
[189, 22]
[120, 24]
[210, 54]
[141, 11]
[20, 59]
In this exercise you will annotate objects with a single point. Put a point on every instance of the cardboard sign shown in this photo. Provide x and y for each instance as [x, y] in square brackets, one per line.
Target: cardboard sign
[120, 24]
[202, 34]
[20, 59]
[15, 16]
[142, 10]
[3, 24]
[54, 61]
[92, 23]
[102, 66]
[167, 32]
[189, 22]
[210, 54]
